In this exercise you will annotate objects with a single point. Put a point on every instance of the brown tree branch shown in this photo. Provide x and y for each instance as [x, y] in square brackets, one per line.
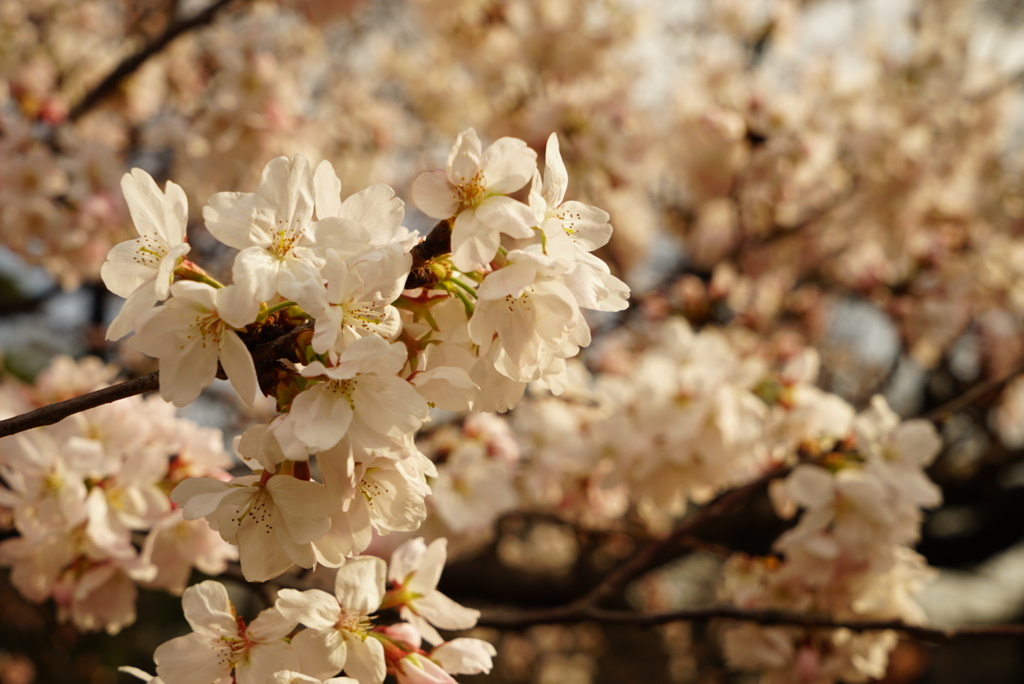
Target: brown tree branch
[437, 242]
[131, 64]
[579, 613]
[654, 554]
[53, 413]
[971, 395]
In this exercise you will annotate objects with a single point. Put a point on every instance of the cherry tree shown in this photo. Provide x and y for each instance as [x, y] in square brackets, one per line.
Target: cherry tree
[468, 427]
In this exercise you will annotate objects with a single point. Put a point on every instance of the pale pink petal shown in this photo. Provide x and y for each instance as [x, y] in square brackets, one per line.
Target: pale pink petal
[350, 534]
[465, 656]
[261, 555]
[915, 442]
[208, 609]
[595, 287]
[166, 268]
[406, 559]
[359, 584]
[556, 179]
[304, 507]
[269, 625]
[287, 185]
[429, 566]
[507, 216]
[811, 486]
[140, 302]
[321, 416]
[390, 405]
[327, 190]
[122, 273]
[365, 661]
[322, 652]
[464, 159]
[190, 659]
[264, 660]
[511, 280]
[377, 208]
[154, 214]
[587, 225]
[447, 387]
[239, 367]
[255, 271]
[184, 376]
[473, 243]
[433, 195]
[508, 165]
[229, 218]
[397, 506]
[237, 306]
[300, 281]
[314, 608]
[201, 496]
[445, 613]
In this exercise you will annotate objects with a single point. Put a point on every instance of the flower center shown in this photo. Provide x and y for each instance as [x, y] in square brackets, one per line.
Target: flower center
[470, 192]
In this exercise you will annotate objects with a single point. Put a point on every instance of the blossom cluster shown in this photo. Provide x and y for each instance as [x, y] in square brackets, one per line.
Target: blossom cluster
[340, 632]
[382, 329]
[849, 556]
[356, 328]
[685, 416]
[81, 494]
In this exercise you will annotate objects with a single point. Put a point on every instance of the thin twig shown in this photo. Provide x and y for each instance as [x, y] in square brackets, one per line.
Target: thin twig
[54, 413]
[131, 64]
[971, 395]
[647, 558]
[575, 614]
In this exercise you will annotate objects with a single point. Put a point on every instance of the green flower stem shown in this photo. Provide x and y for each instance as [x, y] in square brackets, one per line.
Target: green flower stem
[469, 290]
[277, 307]
[467, 303]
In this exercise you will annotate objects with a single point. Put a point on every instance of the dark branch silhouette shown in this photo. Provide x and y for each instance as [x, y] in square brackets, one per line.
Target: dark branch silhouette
[53, 413]
[131, 64]
[575, 614]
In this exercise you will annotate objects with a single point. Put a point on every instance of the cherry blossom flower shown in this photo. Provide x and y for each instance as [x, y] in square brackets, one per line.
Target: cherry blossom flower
[417, 668]
[41, 489]
[360, 293]
[100, 594]
[222, 642]
[375, 210]
[415, 570]
[474, 187]
[275, 232]
[568, 227]
[142, 270]
[464, 656]
[272, 519]
[175, 546]
[899, 452]
[360, 397]
[381, 492]
[338, 635]
[189, 336]
[529, 329]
